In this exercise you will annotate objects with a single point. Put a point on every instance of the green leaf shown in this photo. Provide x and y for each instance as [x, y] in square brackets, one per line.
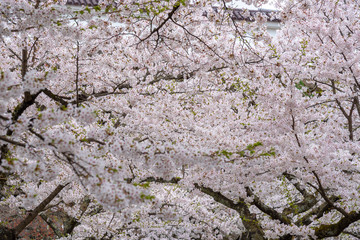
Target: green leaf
[147, 197]
[225, 153]
[251, 147]
[97, 8]
[107, 9]
[242, 153]
[299, 85]
[143, 185]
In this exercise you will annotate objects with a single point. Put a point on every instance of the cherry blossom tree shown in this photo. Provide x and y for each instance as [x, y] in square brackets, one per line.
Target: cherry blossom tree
[171, 120]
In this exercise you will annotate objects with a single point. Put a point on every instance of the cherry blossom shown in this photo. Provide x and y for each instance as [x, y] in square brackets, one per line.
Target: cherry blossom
[172, 120]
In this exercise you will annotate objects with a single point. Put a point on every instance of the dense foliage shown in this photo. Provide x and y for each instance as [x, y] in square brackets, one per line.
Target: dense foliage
[170, 120]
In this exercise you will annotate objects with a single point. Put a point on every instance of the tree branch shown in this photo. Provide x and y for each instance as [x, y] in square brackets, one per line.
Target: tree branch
[333, 230]
[161, 180]
[249, 220]
[323, 194]
[318, 211]
[308, 202]
[54, 97]
[89, 140]
[33, 214]
[266, 209]
[29, 99]
[170, 14]
[5, 139]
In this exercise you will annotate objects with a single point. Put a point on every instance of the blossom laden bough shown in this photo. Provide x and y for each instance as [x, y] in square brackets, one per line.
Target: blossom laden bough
[153, 119]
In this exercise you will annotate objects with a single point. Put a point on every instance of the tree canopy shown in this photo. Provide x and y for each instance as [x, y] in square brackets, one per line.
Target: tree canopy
[172, 120]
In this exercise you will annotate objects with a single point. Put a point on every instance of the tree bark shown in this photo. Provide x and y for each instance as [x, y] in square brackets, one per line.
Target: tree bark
[253, 228]
[33, 214]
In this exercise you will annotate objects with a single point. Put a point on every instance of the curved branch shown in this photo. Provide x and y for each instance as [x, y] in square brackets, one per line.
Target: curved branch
[55, 97]
[308, 202]
[33, 214]
[266, 209]
[249, 220]
[318, 211]
[170, 14]
[333, 230]
[321, 190]
[161, 180]
[29, 99]
[5, 139]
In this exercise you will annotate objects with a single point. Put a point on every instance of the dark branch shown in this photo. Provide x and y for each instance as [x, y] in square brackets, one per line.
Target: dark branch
[249, 220]
[161, 180]
[321, 190]
[29, 99]
[4, 118]
[55, 97]
[33, 214]
[318, 211]
[266, 209]
[170, 14]
[333, 230]
[89, 140]
[308, 202]
[5, 139]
